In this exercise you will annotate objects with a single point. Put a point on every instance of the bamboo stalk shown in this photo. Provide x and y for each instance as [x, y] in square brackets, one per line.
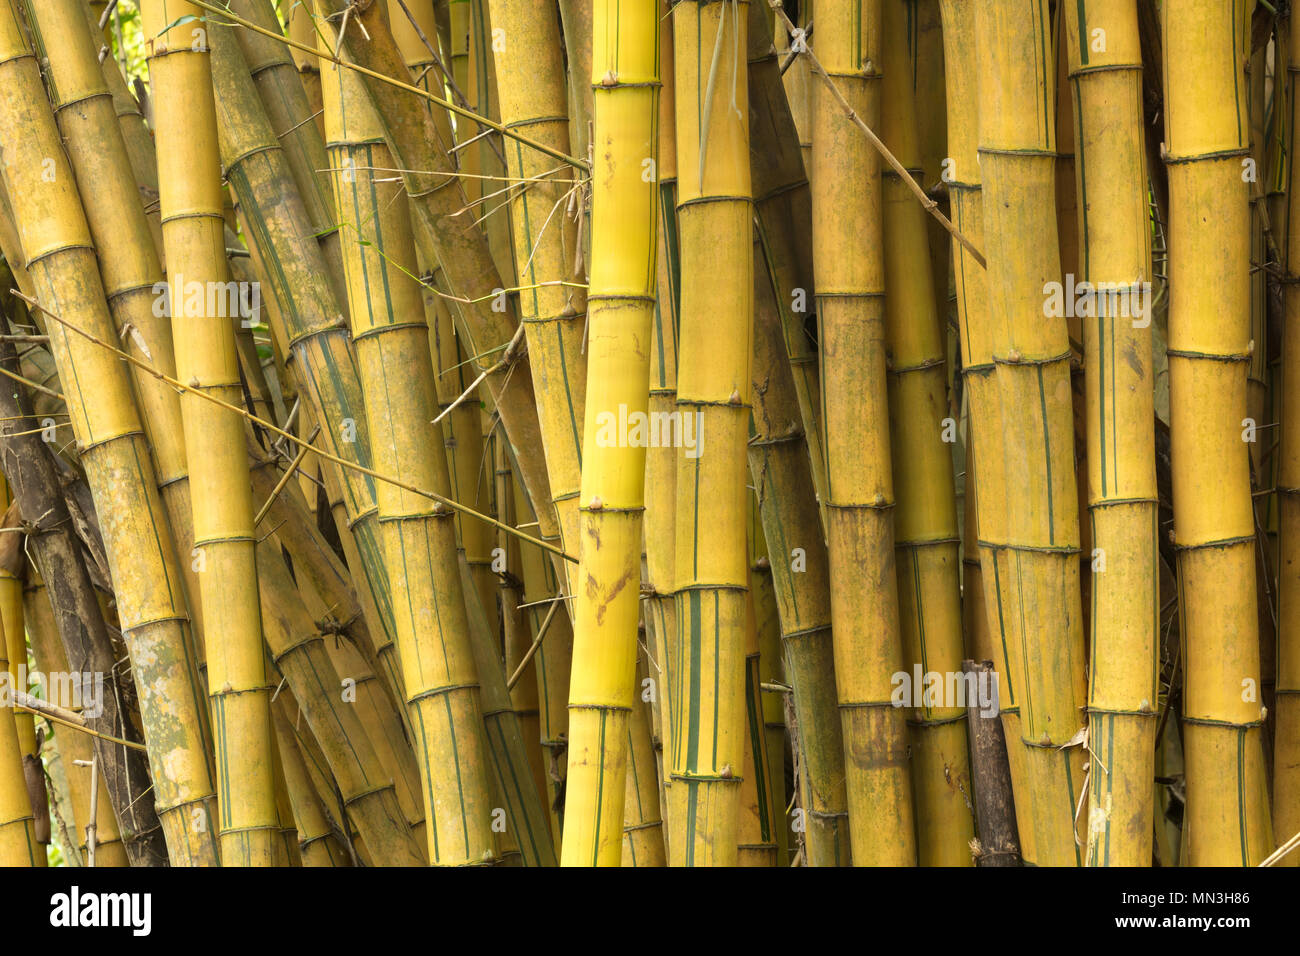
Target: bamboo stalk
[1227, 818]
[1122, 497]
[190, 188]
[715, 217]
[1032, 357]
[317, 842]
[532, 92]
[658, 582]
[310, 322]
[978, 327]
[418, 535]
[18, 846]
[625, 87]
[779, 466]
[925, 521]
[847, 235]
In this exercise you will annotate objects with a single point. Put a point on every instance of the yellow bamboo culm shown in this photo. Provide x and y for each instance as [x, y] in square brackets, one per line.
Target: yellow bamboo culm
[625, 86]
[977, 327]
[144, 567]
[1115, 252]
[661, 462]
[1031, 351]
[925, 522]
[189, 177]
[1207, 145]
[18, 846]
[848, 238]
[418, 534]
[715, 224]
[533, 101]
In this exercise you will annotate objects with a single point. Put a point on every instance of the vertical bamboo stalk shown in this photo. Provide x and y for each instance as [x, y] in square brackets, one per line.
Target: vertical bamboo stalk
[978, 326]
[925, 521]
[1115, 249]
[715, 219]
[661, 462]
[1207, 136]
[189, 175]
[848, 238]
[602, 689]
[1032, 355]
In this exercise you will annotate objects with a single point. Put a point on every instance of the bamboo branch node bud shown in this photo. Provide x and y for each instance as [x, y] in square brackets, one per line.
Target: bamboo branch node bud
[725, 772]
[596, 503]
[609, 79]
[734, 398]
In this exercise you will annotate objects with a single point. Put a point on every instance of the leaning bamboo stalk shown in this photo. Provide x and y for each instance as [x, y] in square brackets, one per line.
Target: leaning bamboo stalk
[779, 465]
[147, 579]
[486, 319]
[298, 651]
[1227, 817]
[625, 86]
[418, 535]
[1032, 356]
[715, 219]
[1115, 249]
[847, 236]
[137, 137]
[327, 592]
[783, 207]
[760, 820]
[317, 843]
[288, 109]
[978, 327]
[191, 205]
[925, 521]
[532, 96]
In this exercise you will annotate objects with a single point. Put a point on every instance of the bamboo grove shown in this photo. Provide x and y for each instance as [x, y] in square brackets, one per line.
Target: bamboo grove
[649, 433]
